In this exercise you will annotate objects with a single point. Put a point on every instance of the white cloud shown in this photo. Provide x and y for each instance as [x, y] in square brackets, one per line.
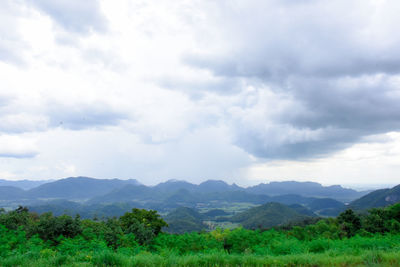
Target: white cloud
[17, 147]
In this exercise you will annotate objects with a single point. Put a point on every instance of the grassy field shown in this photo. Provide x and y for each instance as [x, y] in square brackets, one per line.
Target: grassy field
[48, 258]
[207, 249]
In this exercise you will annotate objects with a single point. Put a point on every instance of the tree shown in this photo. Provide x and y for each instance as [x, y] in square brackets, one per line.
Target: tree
[350, 222]
[50, 227]
[144, 224]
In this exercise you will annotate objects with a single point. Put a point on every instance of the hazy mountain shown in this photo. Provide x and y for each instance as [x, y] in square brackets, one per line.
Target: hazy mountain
[24, 184]
[78, 188]
[174, 185]
[183, 196]
[11, 193]
[377, 198]
[267, 215]
[309, 189]
[216, 186]
[179, 197]
[174, 193]
[130, 192]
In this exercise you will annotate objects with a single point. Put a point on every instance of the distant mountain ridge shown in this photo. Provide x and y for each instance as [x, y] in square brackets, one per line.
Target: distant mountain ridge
[24, 184]
[85, 187]
[174, 193]
[310, 189]
[78, 187]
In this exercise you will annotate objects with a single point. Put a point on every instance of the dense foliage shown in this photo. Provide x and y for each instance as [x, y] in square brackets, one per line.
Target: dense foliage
[135, 239]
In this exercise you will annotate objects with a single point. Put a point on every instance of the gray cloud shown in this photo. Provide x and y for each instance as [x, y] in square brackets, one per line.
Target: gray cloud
[75, 16]
[337, 62]
[18, 155]
[16, 119]
[84, 116]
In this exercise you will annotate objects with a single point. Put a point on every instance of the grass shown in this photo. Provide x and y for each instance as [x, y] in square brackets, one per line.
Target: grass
[146, 259]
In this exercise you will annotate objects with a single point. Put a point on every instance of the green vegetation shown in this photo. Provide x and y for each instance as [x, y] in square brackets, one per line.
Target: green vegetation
[135, 239]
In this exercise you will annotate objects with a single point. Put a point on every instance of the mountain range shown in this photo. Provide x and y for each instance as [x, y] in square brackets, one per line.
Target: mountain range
[190, 207]
[85, 188]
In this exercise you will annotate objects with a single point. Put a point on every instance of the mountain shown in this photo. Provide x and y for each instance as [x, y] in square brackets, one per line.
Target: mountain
[174, 185]
[210, 186]
[377, 198]
[160, 199]
[181, 197]
[267, 215]
[78, 188]
[127, 193]
[307, 189]
[24, 184]
[11, 193]
[182, 220]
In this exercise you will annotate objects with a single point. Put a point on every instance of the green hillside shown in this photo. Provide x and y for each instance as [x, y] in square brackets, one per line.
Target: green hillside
[182, 220]
[267, 215]
[378, 198]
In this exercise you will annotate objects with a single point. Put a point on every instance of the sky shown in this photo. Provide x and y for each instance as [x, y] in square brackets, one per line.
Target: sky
[245, 91]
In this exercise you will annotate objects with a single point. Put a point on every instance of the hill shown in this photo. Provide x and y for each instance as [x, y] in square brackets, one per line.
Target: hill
[267, 215]
[11, 193]
[377, 198]
[130, 192]
[183, 220]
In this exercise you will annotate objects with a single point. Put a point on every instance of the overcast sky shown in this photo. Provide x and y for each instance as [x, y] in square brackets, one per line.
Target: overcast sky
[245, 91]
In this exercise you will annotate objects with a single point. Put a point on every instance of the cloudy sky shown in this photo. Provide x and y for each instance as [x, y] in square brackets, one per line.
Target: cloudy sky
[245, 91]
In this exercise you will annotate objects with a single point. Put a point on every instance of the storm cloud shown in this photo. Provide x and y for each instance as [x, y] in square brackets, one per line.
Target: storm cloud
[337, 62]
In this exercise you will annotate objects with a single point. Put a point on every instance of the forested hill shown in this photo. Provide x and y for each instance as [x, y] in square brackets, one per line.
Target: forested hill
[267, 215]
[378, 198]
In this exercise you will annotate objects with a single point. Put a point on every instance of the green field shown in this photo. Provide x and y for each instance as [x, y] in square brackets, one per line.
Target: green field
[274, 249]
